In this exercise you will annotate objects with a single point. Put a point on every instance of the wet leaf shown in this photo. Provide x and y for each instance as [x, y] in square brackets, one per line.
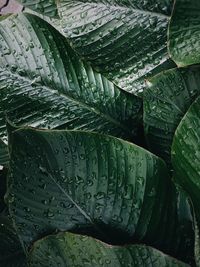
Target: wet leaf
[44, 84]
[186, 154]
[184, 32]
[166, 101]
[66, 249]
[83, 180]
[94, 184]
[124, 40]
[47, 7]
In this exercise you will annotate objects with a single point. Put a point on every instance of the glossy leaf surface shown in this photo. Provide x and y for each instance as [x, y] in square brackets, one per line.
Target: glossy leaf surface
[186, 154]
[166, 101]
[44, 84]
[98, 185]
[68, 250]
[124, 40]
[45, 7]
[184, 31]
[85, 182]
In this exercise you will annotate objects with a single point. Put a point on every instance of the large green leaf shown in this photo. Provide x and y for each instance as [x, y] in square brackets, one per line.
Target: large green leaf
[69, 250]
[95, 184]
[11, 252]
[165, 103]
[184, 32]
[84, 180]
[124, 40]
[43, 83]
[186, 154]
[4, 157]
[45, 7]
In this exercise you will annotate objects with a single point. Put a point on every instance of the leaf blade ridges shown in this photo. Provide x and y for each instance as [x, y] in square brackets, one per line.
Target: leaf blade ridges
[184, 30]
[43, 83]
[166, 101]
[124, 40]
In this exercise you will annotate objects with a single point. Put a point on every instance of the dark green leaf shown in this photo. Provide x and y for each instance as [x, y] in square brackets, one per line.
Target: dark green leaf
[45, 7]
[184, 32]
[165, 102]
[11, 252]
[67, 250]
[94, 184]
[4, 157]
[84, 180]
[186, 154]
[124, 40]
[43, 83]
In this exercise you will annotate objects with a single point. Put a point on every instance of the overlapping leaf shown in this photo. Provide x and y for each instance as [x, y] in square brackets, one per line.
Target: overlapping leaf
[184, 32]
[94, 184]
[43, 83]
[83, 180]
[124, 40]
[11, 252]
[186, 154]
[45, 7]
[165, 102]
[66, 249]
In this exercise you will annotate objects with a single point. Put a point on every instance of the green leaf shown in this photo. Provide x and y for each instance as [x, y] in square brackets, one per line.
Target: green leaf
[186, 155]
[43, 83]
[94, 184]
[165, 103]
[4, 156]
[124, 40]
[45, 7]
[67, 249]
[11, 252]
[184, 31]
[84, 180]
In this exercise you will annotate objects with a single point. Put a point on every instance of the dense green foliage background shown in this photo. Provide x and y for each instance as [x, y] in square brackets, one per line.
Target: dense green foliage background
[100, 134]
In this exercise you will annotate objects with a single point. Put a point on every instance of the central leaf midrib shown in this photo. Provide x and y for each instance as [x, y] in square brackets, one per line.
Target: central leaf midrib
[85, 215]
[91, 109]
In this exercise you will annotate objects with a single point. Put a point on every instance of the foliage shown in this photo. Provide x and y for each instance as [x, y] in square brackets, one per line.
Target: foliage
[99, 134]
